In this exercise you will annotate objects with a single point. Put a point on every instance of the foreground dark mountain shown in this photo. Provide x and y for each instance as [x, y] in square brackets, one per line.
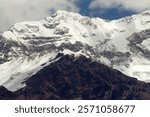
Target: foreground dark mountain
[79, 78]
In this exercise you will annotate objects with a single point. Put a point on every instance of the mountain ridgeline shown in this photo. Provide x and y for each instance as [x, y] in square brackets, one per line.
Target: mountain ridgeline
[69, 56]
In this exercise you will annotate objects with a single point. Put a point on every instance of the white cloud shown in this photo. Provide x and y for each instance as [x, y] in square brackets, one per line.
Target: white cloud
[134, 5]
[12, 11]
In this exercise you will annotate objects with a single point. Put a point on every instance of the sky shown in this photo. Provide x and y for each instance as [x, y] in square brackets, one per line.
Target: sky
[13, 11]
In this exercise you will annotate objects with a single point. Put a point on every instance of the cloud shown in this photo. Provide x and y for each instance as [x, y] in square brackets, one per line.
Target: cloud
[133, 5]
[12, 11]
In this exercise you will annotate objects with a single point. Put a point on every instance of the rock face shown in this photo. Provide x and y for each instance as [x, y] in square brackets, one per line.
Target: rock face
[79, 78]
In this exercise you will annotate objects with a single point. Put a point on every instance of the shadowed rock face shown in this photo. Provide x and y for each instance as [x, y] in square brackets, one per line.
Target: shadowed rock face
[79, 78]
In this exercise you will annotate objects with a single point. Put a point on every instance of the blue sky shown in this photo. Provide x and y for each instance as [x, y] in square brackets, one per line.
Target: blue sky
[110, 13]
[13, 11]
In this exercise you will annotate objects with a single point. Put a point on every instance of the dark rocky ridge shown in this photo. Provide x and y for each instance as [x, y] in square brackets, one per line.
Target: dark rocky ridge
[79, 78]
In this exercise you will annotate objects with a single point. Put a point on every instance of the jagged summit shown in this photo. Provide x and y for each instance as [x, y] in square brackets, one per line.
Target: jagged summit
[120, 44]
[64, 12]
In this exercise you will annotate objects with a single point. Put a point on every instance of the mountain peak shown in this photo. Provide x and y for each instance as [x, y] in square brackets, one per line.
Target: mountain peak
[146, 12]
[64, 13]
[121, 44]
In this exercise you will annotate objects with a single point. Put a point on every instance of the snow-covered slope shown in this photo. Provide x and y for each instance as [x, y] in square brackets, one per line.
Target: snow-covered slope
[122, 44]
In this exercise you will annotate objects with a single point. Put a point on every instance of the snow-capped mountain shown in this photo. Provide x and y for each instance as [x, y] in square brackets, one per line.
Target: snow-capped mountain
[29, 46]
